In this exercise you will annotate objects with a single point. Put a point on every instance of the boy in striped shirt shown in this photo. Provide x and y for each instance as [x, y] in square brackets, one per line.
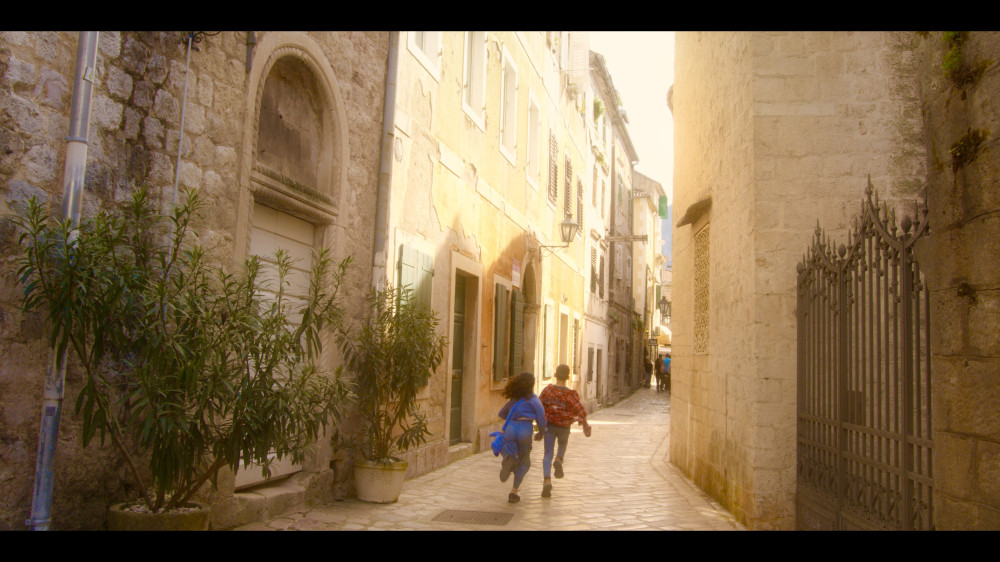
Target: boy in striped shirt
[562, 408]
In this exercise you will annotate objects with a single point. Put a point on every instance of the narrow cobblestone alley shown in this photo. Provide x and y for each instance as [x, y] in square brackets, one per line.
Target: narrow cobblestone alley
[618, 479]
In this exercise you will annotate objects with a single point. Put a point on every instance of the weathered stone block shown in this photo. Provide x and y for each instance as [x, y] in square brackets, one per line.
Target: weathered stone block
[988, 473]
[40, 164]
[951, 514]
[953, 464]
[106, 113]
[167, 107]
[966, 392]
[118, 83]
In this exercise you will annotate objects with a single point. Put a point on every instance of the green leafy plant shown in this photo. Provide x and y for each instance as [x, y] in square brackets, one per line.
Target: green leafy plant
[598, 109]
[392, 356]
[184, 364]
[953, 63]
[964, 150]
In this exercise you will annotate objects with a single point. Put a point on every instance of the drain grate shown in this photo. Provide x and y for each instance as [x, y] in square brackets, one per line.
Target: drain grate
[474, 517]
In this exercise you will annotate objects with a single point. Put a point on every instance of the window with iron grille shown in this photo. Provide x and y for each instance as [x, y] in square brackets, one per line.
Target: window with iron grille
[553, 167]
[579, 206]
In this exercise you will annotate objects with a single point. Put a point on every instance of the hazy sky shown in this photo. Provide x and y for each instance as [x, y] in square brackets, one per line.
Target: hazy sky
[641, 64]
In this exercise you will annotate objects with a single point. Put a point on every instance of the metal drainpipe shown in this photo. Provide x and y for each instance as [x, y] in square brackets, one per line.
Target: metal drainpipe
[180, 137]
[384, 193]
[73, 176]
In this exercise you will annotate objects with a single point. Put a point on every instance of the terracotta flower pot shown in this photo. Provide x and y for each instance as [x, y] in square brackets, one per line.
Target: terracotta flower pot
[379, 483]
[120, 519]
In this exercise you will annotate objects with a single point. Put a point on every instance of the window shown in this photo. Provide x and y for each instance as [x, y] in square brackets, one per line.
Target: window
[553, 167]
[568, 191]
[534, 132]
[593, 270]
[426, 48]
[508, 108]
[603, 198]
[501, 308]
[508, 330]
[563, 338]
[702, 244]
[600, 278]
[516, 332]
[593, 195]
[474, 76]
[575, 364]
[416, 270]
[579, 206]
[600, 353]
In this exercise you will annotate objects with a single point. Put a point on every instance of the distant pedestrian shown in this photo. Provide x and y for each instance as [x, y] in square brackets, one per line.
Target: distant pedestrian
[663, 381]
[524, 409]
[562, 408]
[649, 372]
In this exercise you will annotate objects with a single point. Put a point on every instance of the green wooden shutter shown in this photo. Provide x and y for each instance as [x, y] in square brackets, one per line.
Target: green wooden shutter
[501, 305]
[416, 270]
[516, 332]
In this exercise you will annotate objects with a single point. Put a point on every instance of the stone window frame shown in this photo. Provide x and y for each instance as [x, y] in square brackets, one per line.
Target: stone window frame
[473, 75]
[425, 46]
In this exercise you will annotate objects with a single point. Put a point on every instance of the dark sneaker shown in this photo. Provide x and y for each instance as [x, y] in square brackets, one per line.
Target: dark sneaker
[513, 498]
[557, 465]
[546, 490]
[506, 467]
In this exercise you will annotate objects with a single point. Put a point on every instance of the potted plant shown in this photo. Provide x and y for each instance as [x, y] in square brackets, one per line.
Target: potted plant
[185, 367]
[392, 355]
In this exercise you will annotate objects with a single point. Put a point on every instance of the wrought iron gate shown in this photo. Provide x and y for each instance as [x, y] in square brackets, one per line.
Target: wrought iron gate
[864, 410]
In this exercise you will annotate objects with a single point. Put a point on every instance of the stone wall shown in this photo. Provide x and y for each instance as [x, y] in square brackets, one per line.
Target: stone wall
[134, 132]
[713, 167]
[775, 133]
[959, 259]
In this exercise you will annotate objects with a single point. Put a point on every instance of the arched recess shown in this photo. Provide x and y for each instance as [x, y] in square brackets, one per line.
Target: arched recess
[531, 286]
[293, 172]
[295, 141]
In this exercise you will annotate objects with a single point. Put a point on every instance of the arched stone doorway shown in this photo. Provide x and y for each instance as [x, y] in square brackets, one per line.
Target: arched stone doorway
[292, 175]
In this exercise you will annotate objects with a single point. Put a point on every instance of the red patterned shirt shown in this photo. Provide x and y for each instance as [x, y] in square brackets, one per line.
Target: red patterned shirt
[562, 406]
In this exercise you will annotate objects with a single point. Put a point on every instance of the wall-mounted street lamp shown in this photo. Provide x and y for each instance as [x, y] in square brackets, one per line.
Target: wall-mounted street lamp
[664, 307]
[567, 230]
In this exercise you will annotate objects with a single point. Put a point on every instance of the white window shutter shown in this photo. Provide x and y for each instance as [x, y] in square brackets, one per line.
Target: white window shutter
[579, 58]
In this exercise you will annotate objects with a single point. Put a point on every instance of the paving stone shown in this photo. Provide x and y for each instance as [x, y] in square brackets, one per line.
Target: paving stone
[618, 479]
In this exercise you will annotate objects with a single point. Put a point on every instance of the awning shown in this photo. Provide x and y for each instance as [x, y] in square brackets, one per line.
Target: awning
[664, 338]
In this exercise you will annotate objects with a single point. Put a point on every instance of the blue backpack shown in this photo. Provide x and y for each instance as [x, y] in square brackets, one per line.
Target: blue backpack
[497, 444]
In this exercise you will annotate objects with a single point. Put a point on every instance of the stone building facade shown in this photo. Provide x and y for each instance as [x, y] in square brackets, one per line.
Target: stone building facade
[265, 113]
[961, 121]
[649, 262]
[776, 133]
[773, 132]
[616, 158]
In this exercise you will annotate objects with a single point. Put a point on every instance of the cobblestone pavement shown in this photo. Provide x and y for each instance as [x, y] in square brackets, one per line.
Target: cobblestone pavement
[618, 479]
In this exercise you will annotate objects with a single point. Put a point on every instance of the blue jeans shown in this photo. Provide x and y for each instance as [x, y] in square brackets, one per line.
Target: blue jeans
[553, 434]
[517, 441]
